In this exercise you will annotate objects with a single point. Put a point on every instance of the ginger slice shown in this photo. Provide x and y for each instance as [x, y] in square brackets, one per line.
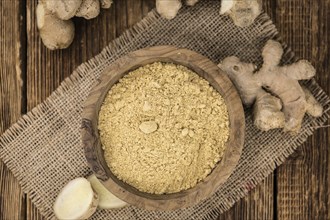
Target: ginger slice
[106, 199]
[76, 200]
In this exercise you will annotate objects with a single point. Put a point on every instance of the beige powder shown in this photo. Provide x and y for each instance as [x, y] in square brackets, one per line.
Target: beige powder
[163, 128]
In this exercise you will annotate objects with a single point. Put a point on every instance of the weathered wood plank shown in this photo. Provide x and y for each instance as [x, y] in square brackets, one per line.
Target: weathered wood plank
[258, 204]
[134, 11]
[12, 199]
[303, 181]
[31, 211]
[12, 53]
[121, 16]
[12, 45]
[147, 5]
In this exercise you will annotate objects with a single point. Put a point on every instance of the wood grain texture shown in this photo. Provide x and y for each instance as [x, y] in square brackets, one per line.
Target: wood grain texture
[12, 63]
[258, 204]
[303, 181]
[204, 68]
[302, 184]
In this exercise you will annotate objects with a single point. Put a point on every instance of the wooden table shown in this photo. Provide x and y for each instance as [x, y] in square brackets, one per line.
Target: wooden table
[298, 189]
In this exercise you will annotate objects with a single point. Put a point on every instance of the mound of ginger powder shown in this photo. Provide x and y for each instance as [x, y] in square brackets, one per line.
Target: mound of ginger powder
[163, 128]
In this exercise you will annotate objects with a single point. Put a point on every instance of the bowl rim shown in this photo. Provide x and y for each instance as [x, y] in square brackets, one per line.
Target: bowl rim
[204, 68]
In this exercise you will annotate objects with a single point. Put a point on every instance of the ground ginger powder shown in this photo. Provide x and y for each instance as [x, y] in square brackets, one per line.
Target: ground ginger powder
[163, 128]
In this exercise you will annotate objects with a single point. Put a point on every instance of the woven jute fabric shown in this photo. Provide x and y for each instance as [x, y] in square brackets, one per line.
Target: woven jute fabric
[44, 151]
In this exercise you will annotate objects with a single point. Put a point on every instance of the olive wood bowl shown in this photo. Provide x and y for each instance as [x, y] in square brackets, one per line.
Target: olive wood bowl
[204, 68]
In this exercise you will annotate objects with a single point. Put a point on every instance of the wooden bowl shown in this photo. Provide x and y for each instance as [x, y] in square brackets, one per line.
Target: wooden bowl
[203, 67]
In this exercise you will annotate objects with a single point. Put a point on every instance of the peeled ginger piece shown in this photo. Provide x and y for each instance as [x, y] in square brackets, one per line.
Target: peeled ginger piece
[106, 199]
[77, 200]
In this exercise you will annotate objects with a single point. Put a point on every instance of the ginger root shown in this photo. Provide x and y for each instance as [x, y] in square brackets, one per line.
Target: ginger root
[279, 100]
[89, 9]
[168, 8]
[54, 19]
[47, 23]
[64, 9]
[267, 112]
[243, 12]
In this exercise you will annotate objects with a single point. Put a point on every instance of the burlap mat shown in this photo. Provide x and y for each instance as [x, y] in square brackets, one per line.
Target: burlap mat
[43, 149]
